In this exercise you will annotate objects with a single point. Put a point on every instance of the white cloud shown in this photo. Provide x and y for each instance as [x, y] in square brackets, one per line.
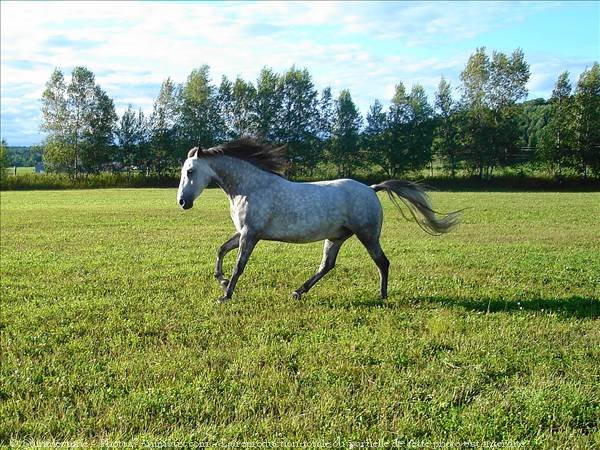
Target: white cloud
[546, 69]
[132, 47]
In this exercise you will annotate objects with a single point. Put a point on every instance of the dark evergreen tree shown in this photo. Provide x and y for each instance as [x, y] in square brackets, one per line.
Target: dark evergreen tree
[444, 135]
[420, 129]
[395, 158]
[326, 115]
[165, 153]
[344, 148]
[4, 160]
[375, 138]
[243, 98]
[225, 108]
[557, 141]
[298, 118]
[269, 99]
[132, 138]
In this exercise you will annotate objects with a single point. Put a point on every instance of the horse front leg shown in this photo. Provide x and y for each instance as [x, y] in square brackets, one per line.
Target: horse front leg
[247, 243]
[232, 242]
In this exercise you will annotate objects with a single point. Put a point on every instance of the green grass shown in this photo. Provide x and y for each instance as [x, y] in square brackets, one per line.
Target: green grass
[20, 170]
[110, 330]
[104, 180]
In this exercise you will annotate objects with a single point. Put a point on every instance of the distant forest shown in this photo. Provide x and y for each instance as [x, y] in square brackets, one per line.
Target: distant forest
[474, 129]
[23, 156]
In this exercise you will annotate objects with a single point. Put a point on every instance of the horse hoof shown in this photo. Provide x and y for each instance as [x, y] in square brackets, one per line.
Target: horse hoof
[296, 295]
[223, 299]
[224, 283]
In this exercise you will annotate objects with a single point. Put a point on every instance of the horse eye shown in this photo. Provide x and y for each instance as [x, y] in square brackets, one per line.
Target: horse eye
[189, 172]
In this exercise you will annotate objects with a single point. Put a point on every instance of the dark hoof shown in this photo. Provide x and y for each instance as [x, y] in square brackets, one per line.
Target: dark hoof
[296, 295]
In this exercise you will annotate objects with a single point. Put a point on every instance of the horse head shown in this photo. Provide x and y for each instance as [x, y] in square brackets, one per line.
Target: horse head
[196, 173]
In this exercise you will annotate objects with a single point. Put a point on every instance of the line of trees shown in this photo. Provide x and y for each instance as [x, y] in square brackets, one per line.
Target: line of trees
[4, 160]
[485, 128]
[565, 131]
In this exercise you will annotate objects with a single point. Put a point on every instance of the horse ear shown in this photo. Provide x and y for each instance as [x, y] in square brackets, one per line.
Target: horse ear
[194, 152]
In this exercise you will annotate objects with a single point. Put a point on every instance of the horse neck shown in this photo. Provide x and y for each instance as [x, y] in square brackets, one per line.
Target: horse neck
[239, 177]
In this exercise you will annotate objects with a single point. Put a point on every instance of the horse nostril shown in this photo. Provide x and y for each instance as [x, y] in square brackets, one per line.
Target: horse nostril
[181, 202]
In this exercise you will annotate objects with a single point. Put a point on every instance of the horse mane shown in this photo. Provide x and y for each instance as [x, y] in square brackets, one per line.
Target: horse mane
[263, 155]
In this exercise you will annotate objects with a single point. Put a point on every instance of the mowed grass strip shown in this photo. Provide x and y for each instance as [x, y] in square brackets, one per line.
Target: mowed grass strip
[111, 332]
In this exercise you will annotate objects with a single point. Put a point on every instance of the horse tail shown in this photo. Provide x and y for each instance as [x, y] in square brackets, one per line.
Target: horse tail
[416, 199]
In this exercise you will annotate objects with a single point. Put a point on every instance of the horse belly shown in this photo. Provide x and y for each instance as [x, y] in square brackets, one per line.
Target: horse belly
[308, 212]
[305, 228]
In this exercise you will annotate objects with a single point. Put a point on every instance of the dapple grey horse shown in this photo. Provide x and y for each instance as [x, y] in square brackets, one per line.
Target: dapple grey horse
[265, 205]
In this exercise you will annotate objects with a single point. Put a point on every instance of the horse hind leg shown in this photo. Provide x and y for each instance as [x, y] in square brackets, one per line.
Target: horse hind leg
[383, 264]
[331, 249]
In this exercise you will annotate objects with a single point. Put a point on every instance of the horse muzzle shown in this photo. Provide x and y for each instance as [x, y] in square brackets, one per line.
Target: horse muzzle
[185, 204]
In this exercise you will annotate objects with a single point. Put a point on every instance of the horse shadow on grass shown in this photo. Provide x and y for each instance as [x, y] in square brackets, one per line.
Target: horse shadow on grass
[574, 306]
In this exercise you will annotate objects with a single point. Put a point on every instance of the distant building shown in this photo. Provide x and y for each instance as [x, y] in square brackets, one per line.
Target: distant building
[39, 167]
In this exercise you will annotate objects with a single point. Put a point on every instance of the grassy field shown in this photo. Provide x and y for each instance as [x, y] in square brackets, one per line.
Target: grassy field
[20, 170]
[111, 333]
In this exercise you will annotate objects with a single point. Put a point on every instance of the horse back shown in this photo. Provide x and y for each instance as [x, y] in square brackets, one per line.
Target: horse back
[305, 212]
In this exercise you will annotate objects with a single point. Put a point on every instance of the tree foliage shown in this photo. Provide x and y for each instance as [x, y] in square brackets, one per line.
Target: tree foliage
[488, 125]
[557, 136]
[132, 139]
[344, 148]
[298, 117]
[4, 160]
[80, 121]
[587, 119]
[195, 107]
[167, 129]
[375, 138]
[269, 99]
[444, 142]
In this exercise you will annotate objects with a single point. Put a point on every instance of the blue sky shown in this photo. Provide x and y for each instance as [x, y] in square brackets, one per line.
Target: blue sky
[367, 47]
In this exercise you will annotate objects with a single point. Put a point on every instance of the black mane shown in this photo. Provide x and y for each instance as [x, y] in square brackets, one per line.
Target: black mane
[264, 156]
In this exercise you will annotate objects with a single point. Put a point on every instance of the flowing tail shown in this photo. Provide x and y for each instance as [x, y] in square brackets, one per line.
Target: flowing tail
[416, 199]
